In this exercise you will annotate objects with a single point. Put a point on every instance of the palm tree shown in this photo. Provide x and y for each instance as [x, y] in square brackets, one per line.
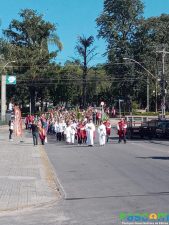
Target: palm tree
[54, 39]
[84, 51]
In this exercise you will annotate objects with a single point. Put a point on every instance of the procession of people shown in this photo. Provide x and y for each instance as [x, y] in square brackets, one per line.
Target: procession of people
[74, 127]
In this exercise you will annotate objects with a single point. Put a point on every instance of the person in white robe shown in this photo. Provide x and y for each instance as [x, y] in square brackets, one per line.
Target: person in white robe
[56, 128]
[68, 134]
[62, 129]
[90, 131]
[72, 134]
[102, 134]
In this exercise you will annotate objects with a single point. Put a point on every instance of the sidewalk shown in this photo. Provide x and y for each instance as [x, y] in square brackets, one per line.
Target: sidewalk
[26, 178]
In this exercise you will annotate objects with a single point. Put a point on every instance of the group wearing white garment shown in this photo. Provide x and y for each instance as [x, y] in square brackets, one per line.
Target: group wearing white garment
[71, 130]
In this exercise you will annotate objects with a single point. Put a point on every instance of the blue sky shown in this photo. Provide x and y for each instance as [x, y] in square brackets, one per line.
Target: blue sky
[73, 18]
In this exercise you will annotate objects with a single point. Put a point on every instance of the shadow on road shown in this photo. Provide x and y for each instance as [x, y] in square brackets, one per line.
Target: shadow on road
[154, 157]
[120, 196]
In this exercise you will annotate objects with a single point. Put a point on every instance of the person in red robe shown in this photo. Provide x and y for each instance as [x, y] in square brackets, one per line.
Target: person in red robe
[84, 135]
[42, 134]
[122, 129]
[80, 132]
[108, 129]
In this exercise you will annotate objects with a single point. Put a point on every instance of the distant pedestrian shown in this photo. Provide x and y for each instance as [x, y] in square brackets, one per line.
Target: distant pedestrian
[11, 129]
[113, 112]
[35, 132]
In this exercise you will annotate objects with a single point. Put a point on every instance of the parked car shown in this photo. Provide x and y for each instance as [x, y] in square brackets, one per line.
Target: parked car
[141, 127]
[162, 129]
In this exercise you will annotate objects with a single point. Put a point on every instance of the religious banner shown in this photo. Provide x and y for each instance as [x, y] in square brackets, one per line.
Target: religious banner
[18, 121]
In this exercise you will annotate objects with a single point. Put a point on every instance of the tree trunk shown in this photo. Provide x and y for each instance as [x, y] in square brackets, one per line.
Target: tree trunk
[84, 89]
[84, 78]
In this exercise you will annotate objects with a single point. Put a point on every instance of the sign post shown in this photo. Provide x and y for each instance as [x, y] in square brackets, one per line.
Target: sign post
[3, 92]
[3, 97]
[10, 79]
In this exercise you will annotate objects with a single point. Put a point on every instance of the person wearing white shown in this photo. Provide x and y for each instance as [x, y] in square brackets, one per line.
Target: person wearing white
[90, 129]
[56, 128]
[63, 129]
[102, 134]
[68, 134]
[72, 134]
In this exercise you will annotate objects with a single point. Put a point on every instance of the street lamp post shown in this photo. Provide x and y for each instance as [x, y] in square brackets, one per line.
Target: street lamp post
[3, 92]
[149, 73]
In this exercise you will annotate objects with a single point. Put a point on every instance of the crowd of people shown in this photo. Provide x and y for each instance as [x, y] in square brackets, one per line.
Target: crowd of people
[81, 126]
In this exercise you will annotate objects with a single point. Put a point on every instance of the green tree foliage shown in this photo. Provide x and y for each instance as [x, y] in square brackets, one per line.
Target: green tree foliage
[29, 38]
[118, 24]
[152, 37]
[129, 35]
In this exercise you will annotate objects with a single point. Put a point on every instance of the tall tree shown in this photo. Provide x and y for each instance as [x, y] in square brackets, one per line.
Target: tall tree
[118, 24]
[30, 37]
[150, 38]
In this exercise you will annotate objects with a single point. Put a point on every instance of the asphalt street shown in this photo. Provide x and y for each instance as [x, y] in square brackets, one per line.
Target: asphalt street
[98, 183]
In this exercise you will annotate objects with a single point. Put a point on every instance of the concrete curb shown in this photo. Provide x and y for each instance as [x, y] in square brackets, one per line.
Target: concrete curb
[53, 175]
[49, 175]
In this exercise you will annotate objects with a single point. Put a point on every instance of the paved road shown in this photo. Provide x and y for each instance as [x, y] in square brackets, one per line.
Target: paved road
[100, 182]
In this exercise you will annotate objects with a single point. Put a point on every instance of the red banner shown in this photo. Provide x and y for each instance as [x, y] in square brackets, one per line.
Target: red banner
[18, 121]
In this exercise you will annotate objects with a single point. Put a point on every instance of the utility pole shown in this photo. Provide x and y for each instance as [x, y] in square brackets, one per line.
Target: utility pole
[3, 92]
[163, 103]
[148, 97]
